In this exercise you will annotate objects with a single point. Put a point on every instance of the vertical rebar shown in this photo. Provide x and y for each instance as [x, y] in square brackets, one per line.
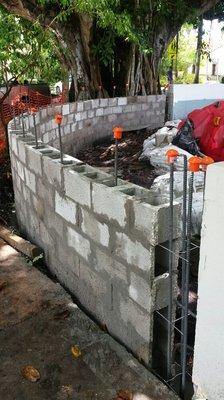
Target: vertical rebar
[23, 124]
[186, 288]
[35, 130]
[14, 117]
[60, 143]
[183, 242]
[170, 299]
[116, 161]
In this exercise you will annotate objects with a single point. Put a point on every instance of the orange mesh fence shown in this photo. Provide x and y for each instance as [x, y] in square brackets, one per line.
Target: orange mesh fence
[21, 99]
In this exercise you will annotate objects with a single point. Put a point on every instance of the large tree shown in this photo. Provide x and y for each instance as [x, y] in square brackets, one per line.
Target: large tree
[112, 42]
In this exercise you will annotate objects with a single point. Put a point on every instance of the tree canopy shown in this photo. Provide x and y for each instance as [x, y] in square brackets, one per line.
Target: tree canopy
[108, 43]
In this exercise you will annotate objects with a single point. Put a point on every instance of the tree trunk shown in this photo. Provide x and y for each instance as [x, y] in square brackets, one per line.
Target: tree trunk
[199, 50]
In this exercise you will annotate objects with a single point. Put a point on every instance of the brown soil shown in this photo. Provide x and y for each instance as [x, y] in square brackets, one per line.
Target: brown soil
[101, 155]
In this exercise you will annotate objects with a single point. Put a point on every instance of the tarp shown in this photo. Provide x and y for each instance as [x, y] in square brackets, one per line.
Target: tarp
[207, 130]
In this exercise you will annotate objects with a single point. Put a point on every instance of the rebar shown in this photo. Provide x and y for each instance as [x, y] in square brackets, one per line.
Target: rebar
[184, 241]
[60, 143]
[116, 161]
[170, 299]
[23, 124]
[35, 130]
[186, 287]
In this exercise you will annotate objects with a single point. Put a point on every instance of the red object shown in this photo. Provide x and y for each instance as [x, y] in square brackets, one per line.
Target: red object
[118, 132]
[209, 129]
[194, 163]
[171, 155]
[58, 119]
[33, 110]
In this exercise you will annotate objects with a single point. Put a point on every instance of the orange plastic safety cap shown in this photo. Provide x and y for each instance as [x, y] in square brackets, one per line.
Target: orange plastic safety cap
[205, 162]
[118, 130]
[58, 119]
[194, 163]
[171, 155]
[33, 110]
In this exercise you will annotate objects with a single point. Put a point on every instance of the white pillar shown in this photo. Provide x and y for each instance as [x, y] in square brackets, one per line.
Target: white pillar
[208, 368]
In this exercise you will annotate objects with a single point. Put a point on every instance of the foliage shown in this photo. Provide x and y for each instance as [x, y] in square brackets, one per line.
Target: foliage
[27, 52]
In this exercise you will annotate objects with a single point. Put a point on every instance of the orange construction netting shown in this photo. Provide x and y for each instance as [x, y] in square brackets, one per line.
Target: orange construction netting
[21, 99]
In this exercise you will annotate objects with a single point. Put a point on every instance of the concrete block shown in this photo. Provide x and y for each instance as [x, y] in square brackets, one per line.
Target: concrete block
[103, 102]
[134, 252]
[30, 180]
[122, 101]
[117, 110]
[132, 314]
[109, 203]
[95, 103]
[34, 159]
[113, 102]
[65, 208]
[139, 291]
[21, 151]
[65, 109]
[96, 230]
[87, 105]
[77, 187]
[80, 244]
[99, 112]
[14, 145]
[113, 270]
[20, 170]
[52, 170]
[80, 106]
[91, 114]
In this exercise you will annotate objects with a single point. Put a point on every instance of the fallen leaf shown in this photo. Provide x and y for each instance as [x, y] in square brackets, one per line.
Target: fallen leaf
[62, 314]
[124, 395]
[30, 373]
[3, 284]
[76, 352]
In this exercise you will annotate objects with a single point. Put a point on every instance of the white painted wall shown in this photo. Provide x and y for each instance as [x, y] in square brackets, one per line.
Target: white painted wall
[209, 345]
[188, 97]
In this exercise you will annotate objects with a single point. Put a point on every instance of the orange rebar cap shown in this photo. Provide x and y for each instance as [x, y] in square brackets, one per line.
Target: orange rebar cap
[118, 130]
[205, 161]
[33, 110]
[58, 119]
[171, 155]
[194, 163]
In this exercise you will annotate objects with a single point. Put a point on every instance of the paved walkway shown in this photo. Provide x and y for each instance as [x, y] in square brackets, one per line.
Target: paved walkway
[38, 325]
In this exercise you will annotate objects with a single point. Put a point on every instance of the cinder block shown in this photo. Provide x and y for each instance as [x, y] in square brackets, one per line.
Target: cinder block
[65, 208]
[139, 291]
[80, 244]
[93, 228]
[77, 187]
[113, 270]
[109, 203]
[134, 252]
[34, 159]
[30, 180]
[95, 103]
[91, 114]
[14, 145]
[20, 170]
[122, 101]
[80, 106]
[103, 102]
[21, 151]
[65, 109]
[99, 112]
[132, 314]
[52, 170]
[113, 102]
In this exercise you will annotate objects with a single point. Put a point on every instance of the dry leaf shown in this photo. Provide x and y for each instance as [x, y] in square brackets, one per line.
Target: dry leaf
[3, 284]
[124, 395]
[76, 352]
[62, 314]
[30, 373]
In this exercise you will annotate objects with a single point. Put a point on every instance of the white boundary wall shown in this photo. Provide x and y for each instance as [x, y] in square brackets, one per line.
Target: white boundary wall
[209, 344]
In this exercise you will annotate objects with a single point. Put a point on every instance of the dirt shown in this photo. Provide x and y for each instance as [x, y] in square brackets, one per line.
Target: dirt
[7, 205]
[130, 168]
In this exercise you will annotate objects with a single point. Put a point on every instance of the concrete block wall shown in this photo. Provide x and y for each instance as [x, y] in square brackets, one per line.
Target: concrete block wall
[84, 122]
[101, 241]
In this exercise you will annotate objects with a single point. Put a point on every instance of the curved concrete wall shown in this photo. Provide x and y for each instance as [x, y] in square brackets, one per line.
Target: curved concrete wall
[86, 121]
[101, 241]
